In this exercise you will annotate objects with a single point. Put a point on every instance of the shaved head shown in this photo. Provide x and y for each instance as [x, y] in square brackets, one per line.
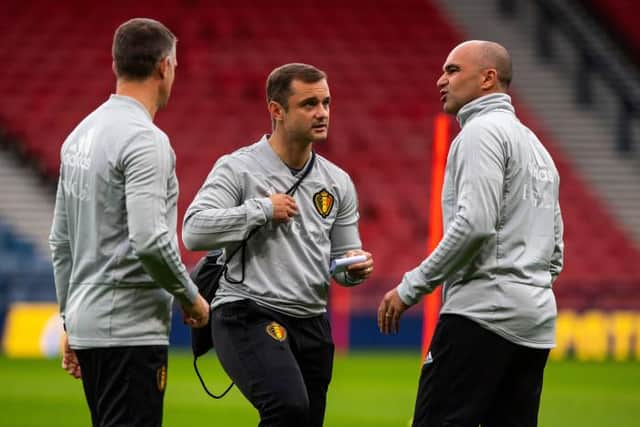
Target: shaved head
[490, 55]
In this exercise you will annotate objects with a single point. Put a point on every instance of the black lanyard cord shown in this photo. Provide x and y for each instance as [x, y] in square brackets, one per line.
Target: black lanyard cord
[243, 246]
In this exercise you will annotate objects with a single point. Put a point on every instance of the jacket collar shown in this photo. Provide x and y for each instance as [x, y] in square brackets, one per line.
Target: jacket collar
[483, 105]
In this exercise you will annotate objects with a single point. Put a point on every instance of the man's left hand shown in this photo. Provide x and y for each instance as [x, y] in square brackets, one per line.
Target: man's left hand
[70, 360]
[361, 270]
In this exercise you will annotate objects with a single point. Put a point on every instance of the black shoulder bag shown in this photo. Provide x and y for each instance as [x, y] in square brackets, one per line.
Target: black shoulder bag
[206, 275]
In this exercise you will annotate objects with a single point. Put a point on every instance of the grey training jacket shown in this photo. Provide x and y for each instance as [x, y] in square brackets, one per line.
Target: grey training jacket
[287, 265]
[502, 247]
[113, 239]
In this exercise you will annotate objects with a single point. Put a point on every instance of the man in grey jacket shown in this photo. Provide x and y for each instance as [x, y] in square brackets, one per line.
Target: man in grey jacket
[501, 252]
[269, 315]
[113, 240]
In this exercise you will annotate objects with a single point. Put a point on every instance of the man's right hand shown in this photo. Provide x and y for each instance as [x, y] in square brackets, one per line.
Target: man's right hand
[196, 315]
[389, 312]
[284, 207]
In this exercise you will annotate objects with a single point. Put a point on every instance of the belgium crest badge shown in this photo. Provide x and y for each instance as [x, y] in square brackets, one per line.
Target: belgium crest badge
[276, 331]
[323, 201]
[161, 378]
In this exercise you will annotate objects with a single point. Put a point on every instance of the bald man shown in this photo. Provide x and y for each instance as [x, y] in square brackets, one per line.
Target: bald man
[501, 252]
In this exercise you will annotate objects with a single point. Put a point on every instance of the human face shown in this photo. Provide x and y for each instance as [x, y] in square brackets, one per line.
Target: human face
[307, 117]
[168, 67]
[462, 79]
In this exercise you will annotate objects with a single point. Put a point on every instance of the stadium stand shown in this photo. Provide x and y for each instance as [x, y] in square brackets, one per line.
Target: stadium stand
[24, 274]
[382, 62]
[620, 17]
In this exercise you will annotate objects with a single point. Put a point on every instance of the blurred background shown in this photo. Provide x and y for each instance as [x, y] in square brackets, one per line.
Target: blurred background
[576, 84]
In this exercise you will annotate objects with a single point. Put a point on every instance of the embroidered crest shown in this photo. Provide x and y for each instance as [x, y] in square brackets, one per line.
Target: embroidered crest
[277, 331]
[161, 377]
[323, 201]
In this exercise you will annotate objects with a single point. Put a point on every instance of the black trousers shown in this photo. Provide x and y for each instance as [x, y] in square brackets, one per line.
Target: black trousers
[474, 377]
[281, 364]
[124, 386]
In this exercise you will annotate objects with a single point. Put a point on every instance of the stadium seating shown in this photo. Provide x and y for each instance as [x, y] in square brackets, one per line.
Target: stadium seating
[621, 16]
[382, 59]
[24, 274]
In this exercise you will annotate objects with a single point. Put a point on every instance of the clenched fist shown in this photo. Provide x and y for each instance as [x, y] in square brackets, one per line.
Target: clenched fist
[196, 315]
[284, 207]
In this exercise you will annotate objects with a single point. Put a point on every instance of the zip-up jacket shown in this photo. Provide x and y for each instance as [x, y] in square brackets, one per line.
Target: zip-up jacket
[502, 247]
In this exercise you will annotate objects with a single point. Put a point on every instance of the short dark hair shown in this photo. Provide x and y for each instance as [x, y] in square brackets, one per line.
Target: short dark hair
[279, 81]
[138, 45]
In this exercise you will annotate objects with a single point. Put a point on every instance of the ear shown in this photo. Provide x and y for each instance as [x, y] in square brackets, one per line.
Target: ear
[276, 111]
[113, 68]
[490, 79]
[163, 67]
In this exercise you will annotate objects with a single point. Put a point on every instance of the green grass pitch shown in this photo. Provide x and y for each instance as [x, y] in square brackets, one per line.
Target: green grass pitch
[370, 389]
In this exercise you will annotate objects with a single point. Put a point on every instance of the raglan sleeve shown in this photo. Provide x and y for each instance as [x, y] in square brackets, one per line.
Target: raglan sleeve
[479, 164]
[557, 258]
[147, 166]
[345, 235]
[219, 215]
[60, 246]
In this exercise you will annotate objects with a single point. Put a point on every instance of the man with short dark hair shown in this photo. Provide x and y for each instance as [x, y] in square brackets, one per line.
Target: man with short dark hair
[113, 240]
[269, 322]
[501, 252]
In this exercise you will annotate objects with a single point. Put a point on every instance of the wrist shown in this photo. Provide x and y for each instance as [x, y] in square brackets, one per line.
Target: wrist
[266, 205]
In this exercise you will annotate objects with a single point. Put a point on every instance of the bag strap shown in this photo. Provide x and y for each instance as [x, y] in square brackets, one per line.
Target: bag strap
[291, 191]
[242, 248]
[204, 386]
